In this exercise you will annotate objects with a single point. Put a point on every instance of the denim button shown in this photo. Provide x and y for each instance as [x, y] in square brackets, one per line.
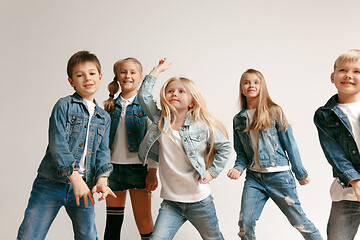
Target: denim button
[353, 151]
[85, 126]
[81, 144]
[337, 123]
[183, 128]
[264, 166]
[260, 151]
[185, 139]
[191, 153]
[197, 166]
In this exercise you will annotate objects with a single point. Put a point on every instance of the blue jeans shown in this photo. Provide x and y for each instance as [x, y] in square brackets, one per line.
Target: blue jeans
[172, 215]
[46, 199]
[344, 220]
[281, 188]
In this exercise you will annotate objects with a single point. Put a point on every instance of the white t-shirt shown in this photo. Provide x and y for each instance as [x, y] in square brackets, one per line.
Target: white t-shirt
[254, 137]
[352, 111]
[82, 164]
[120, 153]
[179, 179]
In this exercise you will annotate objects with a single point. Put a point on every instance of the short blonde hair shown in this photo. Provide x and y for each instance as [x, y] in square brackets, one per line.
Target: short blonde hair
[351, 55]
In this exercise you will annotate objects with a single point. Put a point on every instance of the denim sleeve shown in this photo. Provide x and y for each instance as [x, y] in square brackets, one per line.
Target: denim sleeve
[334, 152]
[103, 166]
[59, 139]
[288, 142]
[222, 146]
[146, 98]
[241, 161]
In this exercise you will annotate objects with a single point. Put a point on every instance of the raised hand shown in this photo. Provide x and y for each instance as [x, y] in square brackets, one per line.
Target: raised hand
[161, 67]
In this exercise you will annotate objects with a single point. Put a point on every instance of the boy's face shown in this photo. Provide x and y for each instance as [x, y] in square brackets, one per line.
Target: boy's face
[129, 77]
[86, 80]
[346, 78]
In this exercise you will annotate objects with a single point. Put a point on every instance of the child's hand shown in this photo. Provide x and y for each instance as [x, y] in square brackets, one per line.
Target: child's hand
[234, 173]
[356, 186]
[151, 180]
[102, 187]
[207, 179]
[80, 189]
[305, 181]
[161, 67]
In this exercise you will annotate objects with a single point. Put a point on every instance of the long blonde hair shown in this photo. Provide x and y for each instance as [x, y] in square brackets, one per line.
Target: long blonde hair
[267, 110]
[114, 85]
[198, 112]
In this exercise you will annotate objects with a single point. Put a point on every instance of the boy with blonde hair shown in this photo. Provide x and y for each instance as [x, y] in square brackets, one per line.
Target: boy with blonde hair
[338, 125]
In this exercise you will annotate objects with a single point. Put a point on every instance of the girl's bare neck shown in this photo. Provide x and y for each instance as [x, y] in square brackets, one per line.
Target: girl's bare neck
[127, 95]
[179, 121]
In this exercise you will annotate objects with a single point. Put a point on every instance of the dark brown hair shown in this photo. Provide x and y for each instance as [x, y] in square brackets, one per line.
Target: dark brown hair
[81, 57]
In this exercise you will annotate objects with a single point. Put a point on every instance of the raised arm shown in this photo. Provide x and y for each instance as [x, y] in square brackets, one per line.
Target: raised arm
[145, 94]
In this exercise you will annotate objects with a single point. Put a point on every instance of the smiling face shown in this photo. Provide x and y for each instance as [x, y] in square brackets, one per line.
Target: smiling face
[178, 96]
[129, 76]
[85, 79]
[250, 87]
[346, 79]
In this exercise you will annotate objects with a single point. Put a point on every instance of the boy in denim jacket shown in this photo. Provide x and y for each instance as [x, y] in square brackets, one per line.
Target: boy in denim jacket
[338, 124]
[77, 157]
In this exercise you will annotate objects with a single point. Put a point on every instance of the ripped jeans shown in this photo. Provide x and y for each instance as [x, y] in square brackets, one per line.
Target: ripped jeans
[281, 188]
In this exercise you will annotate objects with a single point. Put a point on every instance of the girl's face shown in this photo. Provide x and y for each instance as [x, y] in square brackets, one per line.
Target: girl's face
[250, 86]
[178, 96]
[129, 77]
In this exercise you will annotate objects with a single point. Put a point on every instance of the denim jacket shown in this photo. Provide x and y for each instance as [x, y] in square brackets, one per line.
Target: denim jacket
[135, 124]
[67, 134]
[337, 141]
[195, 136]
[277, 147]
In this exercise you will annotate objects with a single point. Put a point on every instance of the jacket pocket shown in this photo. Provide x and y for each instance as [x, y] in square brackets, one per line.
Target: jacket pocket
[100, 134]
[74, 123]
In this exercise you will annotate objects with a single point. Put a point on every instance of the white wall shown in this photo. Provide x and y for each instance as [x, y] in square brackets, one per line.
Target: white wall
[294, 43]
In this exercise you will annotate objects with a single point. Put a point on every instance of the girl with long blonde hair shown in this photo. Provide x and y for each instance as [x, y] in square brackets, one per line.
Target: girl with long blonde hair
[265, 146]
[192, 149]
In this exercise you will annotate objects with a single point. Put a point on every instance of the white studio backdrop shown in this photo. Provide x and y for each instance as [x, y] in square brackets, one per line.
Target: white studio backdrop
[293, 43]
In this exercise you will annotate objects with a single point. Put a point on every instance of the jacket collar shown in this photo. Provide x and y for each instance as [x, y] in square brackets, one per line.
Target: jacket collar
[241, 114]
[333, 101]
[188, 121]
[117, 101]
[77, 98]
